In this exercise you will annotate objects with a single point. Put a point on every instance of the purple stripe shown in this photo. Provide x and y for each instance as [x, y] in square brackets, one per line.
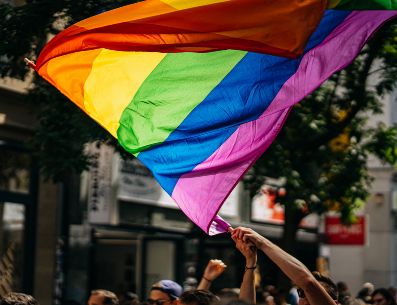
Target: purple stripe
[200, 193]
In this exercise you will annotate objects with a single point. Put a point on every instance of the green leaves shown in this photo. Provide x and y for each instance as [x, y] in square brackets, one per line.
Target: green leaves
[383, 143]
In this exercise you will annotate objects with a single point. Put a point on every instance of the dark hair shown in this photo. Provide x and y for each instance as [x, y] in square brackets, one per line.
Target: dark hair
[14, 298]
[342, 286]
[109, 298]
[199, 297]
[327, 283]
[238, 302]
[363, 294]
[386, 294]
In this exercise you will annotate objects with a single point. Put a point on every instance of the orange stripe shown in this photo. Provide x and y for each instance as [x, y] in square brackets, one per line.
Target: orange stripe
[137, 11]
[68, 77]
[279, 27]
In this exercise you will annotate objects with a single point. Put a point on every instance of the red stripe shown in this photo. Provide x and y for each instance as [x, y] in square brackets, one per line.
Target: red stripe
[279, 27]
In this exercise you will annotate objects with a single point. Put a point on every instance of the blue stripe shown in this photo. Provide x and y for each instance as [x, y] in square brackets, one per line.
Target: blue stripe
[242, 96]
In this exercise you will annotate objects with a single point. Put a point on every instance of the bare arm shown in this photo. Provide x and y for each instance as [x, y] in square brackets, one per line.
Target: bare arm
[247, 289]
[215, 268]
[292, 267]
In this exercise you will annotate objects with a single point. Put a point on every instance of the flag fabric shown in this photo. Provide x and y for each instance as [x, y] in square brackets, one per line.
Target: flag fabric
[279, 27]
[199, 120]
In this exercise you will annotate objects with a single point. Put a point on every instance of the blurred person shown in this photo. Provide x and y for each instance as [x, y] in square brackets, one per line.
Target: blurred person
[190, 283]
[293, 296]
[198, 297]
[281, 297]
[164, 292]
[314, 288]
[382, 296]
[356, 302]
[14, 298]
[364, 295]
[393, 292]
[238, 302]
[269, 300]
[102, 297]
[212, 271]
[370, 287]
[228, 295]
[129, 298]
[344, 294]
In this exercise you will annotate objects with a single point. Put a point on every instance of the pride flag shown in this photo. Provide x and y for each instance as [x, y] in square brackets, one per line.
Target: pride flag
[198, 120]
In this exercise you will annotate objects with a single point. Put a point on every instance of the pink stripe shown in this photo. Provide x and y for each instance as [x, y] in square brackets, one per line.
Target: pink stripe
[200, 193]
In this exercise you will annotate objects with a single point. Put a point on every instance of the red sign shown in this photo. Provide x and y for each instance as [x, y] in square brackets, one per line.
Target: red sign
[340, 234]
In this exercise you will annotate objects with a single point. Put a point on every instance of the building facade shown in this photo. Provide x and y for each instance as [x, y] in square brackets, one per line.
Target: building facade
[28, 204]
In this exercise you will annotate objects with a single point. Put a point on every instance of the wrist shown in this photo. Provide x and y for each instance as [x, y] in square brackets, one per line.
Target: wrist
[263, 244]
[250, 267]
[206, 279]
[250, 262]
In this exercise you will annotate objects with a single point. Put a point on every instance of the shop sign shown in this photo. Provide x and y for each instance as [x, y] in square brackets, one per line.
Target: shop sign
[135, 183]
[101, 201]
[337, 233]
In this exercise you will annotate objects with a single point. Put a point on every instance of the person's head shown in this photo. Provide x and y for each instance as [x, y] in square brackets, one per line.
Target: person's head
[102, 297]
[269, 300]
[364, 295]
[328, 285]
[129, 298]
[14, 298]
[165, 292]
[342, 287]
[198, 297]
[226, 295]
[369, 286]
[343, 291]
[382, 296]
[393, 292]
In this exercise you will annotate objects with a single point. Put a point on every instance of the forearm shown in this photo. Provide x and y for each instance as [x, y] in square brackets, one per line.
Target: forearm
[298, 273]
[213, 270]
[247, 289]
[204, 284]
[292, 267]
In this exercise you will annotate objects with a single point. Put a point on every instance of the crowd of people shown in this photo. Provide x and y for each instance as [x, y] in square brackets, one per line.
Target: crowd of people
[310, 288]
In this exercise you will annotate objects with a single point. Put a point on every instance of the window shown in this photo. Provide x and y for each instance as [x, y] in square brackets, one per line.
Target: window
[12, 231]
[14, 171]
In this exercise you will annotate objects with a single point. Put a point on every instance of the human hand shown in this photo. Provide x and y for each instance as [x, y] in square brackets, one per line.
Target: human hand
[248, 235]
[248, 250]
[215, 268]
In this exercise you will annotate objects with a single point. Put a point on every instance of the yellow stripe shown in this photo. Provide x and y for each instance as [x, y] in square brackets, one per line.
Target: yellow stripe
[69, 72]
[114, 79]
[183, 4]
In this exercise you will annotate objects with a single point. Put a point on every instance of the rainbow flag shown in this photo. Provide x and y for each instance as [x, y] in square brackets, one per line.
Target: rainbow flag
[198, 89]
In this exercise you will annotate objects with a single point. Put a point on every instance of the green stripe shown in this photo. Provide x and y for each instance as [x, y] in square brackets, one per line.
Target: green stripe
[367, 5]
[174, 88]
